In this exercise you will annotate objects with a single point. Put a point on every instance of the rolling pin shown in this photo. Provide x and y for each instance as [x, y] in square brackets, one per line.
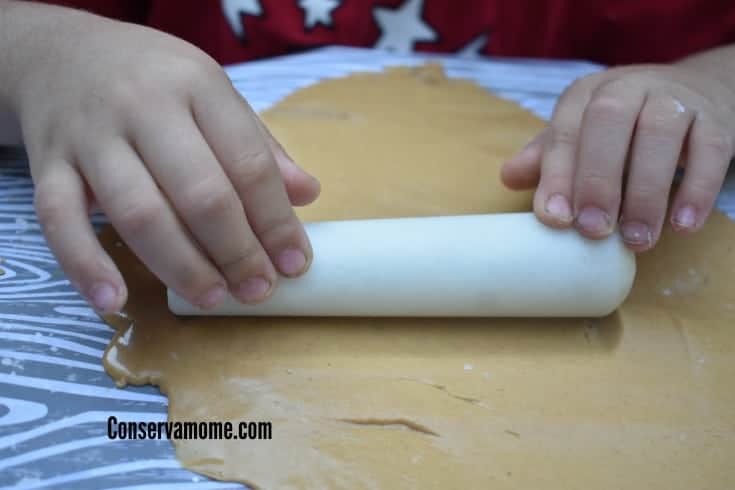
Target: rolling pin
[495, 265]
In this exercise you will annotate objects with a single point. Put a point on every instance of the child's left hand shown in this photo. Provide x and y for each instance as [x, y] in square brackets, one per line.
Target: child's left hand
[612, 147]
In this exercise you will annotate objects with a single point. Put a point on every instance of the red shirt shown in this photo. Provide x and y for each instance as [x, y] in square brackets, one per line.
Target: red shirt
[607, 31]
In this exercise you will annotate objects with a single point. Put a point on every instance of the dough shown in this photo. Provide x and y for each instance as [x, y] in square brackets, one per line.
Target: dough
[643, 398]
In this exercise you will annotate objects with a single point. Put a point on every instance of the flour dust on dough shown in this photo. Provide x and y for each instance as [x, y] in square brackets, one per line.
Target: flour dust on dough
[644, 398]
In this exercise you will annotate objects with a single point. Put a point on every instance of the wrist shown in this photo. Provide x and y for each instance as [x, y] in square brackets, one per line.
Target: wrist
[32, 36]
[717, 64]
[5, 37]
[11, 33]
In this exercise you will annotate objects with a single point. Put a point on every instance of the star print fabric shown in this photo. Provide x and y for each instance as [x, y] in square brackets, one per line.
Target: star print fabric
[607, 31]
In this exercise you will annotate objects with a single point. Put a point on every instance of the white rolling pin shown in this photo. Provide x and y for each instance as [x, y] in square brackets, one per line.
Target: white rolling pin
[504, 265]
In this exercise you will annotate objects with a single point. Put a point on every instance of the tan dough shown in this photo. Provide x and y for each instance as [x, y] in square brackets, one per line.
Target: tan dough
[642, 399]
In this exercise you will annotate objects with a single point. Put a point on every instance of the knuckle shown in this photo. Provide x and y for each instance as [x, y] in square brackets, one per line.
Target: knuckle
[210, 201]
[281, 231]
[203, 64]
[190, 69]
[80, 268]
[180, 73]
[194, 70]
[597, 187]
[622, 83]
[646, 191]
[645, 199]
[48, 205]
[570, 92]
[249, 260]
[252, 167]
[634, 79]
[556, 180]
[138, 217]
[608, 108]
[661, 118]
[718, 141]
[582, 85]
[668, 107]
[562, 135]
[702, 187]
[192, 277]
[191, 283]
[592, 178]
[120, 95]
[653, 126]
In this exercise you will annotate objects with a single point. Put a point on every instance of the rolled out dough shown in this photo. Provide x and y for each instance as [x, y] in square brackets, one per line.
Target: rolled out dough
[643, 398]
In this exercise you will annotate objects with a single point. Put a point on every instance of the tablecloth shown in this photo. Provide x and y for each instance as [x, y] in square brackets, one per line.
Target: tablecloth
[55, 397]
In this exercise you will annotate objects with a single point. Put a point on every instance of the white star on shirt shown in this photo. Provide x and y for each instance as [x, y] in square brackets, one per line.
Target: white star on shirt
[233, 9]
[474, 48]
[318, 12]
[400, 28]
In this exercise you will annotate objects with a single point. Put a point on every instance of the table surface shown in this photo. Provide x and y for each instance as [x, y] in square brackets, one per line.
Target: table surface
[55, 397]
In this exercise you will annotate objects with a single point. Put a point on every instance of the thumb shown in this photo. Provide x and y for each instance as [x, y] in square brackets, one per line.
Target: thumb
[523, 170]
[301, 187]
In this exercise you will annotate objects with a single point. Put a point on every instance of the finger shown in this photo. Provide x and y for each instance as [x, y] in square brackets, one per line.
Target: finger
[523, 170]
[301, 187]
[710, 149]
[661, 129]
[236, 139]
[60, 203]
[184, 166]
[605, 136]
[553, 197]
[146, 222]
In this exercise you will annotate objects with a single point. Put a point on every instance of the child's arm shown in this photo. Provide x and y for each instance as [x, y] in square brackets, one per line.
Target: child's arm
[149, 128]
[615, 140]
[9, 128]
[718, 62]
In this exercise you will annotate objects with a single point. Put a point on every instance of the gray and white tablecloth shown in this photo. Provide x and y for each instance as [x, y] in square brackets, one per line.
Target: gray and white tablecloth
[55, 397]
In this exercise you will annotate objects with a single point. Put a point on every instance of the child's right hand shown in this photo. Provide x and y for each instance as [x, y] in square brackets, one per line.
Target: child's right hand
[150, 128]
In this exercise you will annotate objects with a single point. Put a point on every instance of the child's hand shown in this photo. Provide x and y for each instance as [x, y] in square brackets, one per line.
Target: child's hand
[613, 145]
[150, 129]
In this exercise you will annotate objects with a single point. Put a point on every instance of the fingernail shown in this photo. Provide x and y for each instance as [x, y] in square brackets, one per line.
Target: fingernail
[558, 207]
[594, 220]
[636, 233]
[104, 297]
[212, 298]
[291, 261]
[686, 217]
[254, 289]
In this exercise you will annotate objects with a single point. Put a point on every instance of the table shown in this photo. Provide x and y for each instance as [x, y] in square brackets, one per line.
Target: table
[55, 397]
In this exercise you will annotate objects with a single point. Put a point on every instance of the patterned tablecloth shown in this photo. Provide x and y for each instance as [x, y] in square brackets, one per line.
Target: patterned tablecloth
[55, 397]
